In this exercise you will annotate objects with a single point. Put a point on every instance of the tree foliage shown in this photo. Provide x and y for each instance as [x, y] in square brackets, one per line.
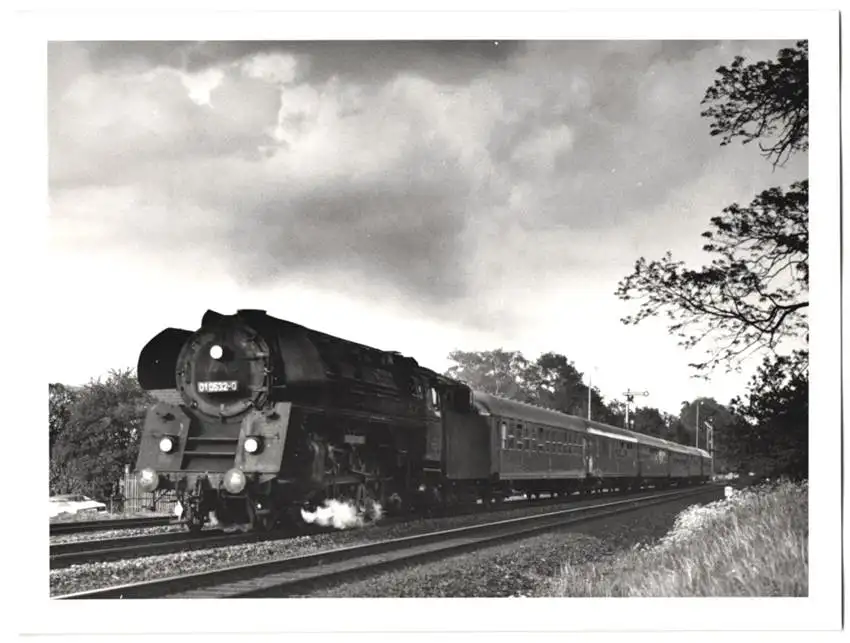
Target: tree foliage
[497, 372]
[551, 381]
[753, 294]
[100, 436]
[61, 401]
[771, 434]
[711, 413]
[649, 421]
[768, 99]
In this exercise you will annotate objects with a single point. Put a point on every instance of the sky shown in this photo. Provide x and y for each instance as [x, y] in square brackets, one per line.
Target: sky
[413, 196]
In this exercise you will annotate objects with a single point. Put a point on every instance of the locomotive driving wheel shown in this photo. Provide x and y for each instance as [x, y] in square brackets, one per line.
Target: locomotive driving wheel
[194, 519]
[367, 499]
[266, 522]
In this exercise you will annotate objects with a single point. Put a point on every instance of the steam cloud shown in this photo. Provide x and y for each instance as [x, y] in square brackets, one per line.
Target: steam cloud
[340, 515]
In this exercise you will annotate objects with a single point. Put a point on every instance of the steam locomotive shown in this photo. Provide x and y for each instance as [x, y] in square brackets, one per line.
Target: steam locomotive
[257, 418]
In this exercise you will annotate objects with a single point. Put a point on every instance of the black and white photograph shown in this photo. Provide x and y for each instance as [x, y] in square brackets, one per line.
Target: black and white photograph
[517, 316]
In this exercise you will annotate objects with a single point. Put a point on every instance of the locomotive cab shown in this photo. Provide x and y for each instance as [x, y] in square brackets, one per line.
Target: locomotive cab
[458, 398]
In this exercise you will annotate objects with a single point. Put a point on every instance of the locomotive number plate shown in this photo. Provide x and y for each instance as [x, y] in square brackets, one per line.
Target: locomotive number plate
[218, 387]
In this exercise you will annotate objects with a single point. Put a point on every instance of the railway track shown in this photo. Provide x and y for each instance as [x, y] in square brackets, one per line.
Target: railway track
[78, 527]
[98, 551]
[102, 550]
[299, 575]
[83, 526]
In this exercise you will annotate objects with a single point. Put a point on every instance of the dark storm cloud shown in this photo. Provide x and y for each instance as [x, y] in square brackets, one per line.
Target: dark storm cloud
[637, 132]
[444, 61]
[446, 173]
[412, 239]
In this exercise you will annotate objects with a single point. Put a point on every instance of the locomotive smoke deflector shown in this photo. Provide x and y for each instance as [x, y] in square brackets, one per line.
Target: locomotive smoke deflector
[158, 359]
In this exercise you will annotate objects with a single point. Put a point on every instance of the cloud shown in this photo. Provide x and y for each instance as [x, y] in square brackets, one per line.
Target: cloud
[446, 177]
[273, 68]
[544, 148]
[201, 84]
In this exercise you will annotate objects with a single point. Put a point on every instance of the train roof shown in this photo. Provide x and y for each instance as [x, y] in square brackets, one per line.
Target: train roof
[661, 443]
[496, 405]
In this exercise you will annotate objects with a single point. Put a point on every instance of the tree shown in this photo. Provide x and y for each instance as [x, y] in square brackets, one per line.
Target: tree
[101, 435]
[771, 434]
[554, 382]
[649, 421]
[551, 381]
[61, 400]
[614, 413]
[677, 430]
[754, 293]
[765, 100]
[751, 297]
[497, 372]
[712, 413]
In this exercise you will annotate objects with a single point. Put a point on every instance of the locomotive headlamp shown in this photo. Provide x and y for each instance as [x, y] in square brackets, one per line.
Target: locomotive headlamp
[253, 444]
[216, 351]
[148, 479]
[166, 445]
[234, 481]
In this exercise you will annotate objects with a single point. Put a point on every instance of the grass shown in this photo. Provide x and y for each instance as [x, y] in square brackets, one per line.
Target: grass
[754, 543]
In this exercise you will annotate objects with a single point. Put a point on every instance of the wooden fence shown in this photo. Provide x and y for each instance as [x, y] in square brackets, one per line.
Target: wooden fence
[133, 500]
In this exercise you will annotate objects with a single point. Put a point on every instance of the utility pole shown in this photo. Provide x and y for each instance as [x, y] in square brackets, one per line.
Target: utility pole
[696, 437]
[630, 397]
[710, 438]
[589, 389]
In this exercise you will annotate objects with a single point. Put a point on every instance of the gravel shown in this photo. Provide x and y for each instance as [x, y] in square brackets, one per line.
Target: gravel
[83, 577]
[520, 568]
[95, 575]
[87, 536]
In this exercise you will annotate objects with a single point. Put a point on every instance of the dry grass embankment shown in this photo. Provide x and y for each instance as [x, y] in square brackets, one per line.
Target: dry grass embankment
[754, 543]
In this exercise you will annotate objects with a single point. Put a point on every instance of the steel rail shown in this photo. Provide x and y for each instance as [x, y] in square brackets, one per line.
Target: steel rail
[97, 551]
[299, 574]
[102, 550]
[76, 527]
